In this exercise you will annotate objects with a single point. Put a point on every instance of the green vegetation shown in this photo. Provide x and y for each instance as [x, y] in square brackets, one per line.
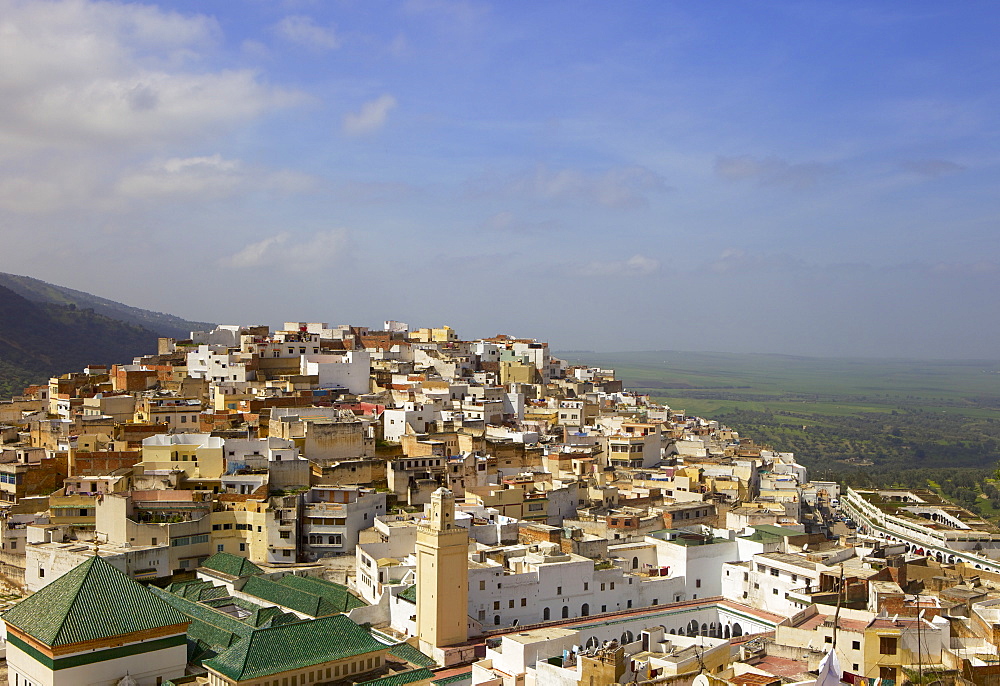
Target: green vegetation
[39, 340]
[864, 422]
[158, 322]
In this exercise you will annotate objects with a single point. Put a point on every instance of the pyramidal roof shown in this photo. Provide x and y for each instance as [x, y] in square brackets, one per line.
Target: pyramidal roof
[230, 564]
[92, 601]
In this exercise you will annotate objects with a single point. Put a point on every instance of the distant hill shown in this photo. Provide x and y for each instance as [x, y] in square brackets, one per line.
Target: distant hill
[42, 292]
[40, 339]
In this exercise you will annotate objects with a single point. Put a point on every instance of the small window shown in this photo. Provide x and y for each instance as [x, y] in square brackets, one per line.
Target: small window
[887, 645]
[855, 645]
[219, 548]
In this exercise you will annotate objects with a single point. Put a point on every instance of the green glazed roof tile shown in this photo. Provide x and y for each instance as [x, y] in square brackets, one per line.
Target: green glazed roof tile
[230, 564]
[401, 678]
[338, 596]
[286, 647]
[92, 601]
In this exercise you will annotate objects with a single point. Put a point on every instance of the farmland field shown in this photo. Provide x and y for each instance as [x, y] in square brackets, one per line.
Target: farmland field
[863, 421]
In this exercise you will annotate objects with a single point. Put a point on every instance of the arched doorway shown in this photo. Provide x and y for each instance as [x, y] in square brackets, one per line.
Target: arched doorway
[725, 634]
[585, 610]
[565, 611]
[737, 630]
[704, 629]
[627, 637]
[635, 563]
[546, 614]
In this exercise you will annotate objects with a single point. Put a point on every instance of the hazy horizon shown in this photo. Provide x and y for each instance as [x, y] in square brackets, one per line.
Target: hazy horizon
[781, 178]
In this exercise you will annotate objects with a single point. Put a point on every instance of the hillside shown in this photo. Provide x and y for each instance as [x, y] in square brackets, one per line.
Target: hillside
[874, 416]
[39, 340]
[162, 324]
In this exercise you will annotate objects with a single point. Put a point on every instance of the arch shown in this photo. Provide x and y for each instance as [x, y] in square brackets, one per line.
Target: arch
[546, 614]
[939, 559]
[496, 619]
[592, 642]
[704, 629]
[725, 634]
[693, 627]
[673, 632]
[626, 637]
[585, 610]
[565, 611]
[737, 630]
[635, 563]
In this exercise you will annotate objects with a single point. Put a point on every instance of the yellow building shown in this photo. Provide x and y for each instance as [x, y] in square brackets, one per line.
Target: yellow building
[442, 576]
[240, 528]
[200, 456]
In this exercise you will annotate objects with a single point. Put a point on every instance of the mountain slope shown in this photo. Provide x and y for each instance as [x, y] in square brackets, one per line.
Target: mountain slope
[42, 292]
[39, 340]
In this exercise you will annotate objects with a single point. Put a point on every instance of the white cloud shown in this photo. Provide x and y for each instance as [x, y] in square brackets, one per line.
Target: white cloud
[931, 168]
[208, 177]
[371, 117]
[619, 187]
[74, 73]
[637, 265]
[304, 31]
[291, 253]
[772, 171]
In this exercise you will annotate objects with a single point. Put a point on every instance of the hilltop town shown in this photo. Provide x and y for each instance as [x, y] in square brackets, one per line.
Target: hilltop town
[334, 505]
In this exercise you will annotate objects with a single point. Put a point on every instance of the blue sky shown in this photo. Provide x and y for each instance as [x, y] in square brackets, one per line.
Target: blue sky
[789, 177]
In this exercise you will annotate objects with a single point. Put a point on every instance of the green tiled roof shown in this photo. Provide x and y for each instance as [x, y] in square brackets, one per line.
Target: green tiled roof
[405, 651]
[293, 646]
[409, 595]
[230, 564]
[92, 601]
[286, 596]
[400, 679]
[464, 676]
[337, 595]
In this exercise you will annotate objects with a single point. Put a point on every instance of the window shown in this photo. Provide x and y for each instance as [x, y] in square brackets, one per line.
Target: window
[586, 586]
[774, 591]
[612, 585]
[774, 571]
[41, 573]
[286, 553]
[887, 646]
[220, 548]
[558, 590]
[697, 583]
[482, 585]
[496, 604]
[510, 603]
[243, 547]
[855, 645]
[284, 534]
[828, 639]
[602, 587]
[482, 615]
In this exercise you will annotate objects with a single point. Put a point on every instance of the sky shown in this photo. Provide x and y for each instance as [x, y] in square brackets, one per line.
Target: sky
[804, 178]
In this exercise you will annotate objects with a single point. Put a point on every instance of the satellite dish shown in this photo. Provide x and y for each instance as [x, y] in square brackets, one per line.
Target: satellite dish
[701, 680]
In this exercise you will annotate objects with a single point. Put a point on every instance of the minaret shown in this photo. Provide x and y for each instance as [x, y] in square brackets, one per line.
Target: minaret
[442, 575]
